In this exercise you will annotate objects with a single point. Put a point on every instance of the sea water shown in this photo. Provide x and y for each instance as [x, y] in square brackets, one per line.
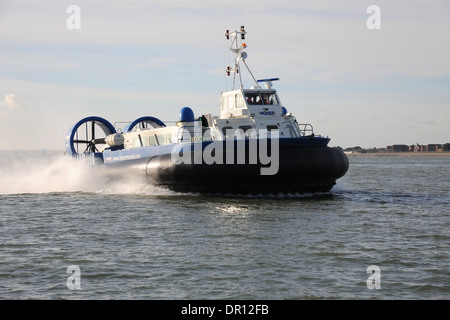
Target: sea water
[129, 240]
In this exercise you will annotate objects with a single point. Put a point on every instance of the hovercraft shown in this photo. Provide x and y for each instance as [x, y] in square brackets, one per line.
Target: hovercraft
[254, 146]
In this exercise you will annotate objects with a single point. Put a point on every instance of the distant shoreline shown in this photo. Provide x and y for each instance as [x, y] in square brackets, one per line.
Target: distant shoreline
[400, 154]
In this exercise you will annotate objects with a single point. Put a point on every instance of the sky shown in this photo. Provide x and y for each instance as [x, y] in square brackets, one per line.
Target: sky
[120, 60]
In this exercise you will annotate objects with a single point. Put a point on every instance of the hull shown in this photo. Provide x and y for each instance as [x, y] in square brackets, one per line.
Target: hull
[302, 166]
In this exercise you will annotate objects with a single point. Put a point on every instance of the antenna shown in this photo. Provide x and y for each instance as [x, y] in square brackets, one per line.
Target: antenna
[238, 47]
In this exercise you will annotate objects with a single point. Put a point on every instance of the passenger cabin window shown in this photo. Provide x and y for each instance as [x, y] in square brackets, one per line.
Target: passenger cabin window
[136, 143]
[145, 141]
[152, 141]
[161, 139]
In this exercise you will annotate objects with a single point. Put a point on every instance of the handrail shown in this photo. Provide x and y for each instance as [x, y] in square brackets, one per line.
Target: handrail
[195, 133]
[306, 128]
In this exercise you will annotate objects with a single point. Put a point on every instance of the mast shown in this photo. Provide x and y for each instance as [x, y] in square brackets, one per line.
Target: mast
[238, 47]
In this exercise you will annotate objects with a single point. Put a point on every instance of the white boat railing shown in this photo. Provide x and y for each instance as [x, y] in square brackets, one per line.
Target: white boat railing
[306, 129]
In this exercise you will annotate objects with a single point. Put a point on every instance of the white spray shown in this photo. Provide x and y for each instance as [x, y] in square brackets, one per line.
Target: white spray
[52, 171]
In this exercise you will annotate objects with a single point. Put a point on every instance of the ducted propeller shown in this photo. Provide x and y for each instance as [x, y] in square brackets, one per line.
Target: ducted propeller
[86, 135]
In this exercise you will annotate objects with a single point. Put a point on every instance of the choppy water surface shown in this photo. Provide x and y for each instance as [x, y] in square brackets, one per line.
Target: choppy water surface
[134, 241]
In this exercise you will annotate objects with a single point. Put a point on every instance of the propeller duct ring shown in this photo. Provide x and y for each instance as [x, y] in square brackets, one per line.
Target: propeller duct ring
[105, 125]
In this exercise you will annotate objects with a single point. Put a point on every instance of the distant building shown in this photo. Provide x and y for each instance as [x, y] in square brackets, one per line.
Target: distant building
[357, 149]
[434, 148]
[376, 150]
[397, 148]
[418, 148]
[446, 147]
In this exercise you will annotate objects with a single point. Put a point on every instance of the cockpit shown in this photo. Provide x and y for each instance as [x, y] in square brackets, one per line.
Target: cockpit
[262, 98]
[243, 103]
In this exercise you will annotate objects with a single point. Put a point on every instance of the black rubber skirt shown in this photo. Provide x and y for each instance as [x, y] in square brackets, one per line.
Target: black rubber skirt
[289, 168]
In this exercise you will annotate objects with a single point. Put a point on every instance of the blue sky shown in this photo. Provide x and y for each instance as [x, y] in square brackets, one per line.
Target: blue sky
[358, 86]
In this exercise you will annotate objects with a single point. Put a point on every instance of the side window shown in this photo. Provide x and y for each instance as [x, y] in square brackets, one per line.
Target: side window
[224, 103]
[245, 128]
[228, 132]
[239, 101]
[273, 99]
[248, 131]
[270, 98]
[145, 141]
[271, 128]
[230, 102]
[152, 141]
[253, 98]
[249, 98]
[161, 139]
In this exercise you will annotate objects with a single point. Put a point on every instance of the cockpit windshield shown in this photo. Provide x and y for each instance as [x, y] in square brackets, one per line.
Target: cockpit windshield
[261, 98]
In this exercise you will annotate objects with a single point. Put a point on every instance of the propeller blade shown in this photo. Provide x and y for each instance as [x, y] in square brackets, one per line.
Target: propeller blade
[93, 130]
[87, 148]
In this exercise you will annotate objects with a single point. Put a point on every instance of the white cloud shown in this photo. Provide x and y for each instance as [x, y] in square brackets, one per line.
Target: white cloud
[11, 101]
